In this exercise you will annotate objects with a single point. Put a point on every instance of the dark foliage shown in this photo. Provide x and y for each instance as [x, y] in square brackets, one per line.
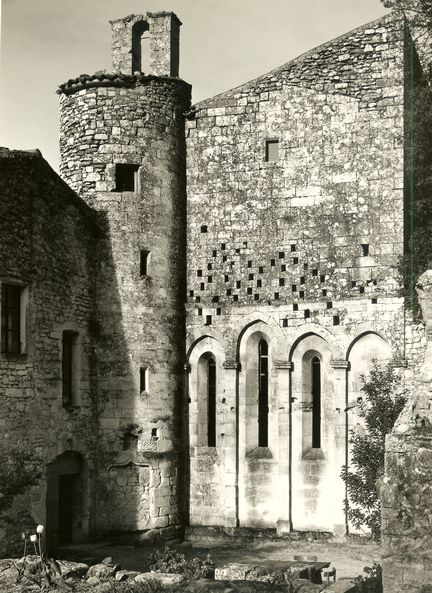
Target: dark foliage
[379, 408]
[170, 561]
[20, 469]
[372, 582]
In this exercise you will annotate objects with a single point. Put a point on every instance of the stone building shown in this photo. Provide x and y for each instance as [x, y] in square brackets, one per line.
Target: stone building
[187, 311]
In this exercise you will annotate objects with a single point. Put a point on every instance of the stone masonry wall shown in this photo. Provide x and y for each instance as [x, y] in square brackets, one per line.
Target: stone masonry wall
[140, 315]
[47, 239]
[305, 245]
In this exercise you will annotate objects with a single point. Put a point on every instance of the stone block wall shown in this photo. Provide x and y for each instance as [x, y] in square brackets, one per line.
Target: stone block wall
[47, 241]
[140, 350]
[300, 248]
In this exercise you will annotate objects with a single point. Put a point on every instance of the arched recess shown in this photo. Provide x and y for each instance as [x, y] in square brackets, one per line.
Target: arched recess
[205, 380]
[362, 352]
[66, 499]
[259, 484]
[140, 47]
[257, 350]
[317, 435]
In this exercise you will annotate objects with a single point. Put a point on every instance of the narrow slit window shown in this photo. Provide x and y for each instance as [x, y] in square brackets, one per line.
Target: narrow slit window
[316, 403]
[126, 177]
[143, 379]
[11, 319]
[271, 150]
[208, 320]
[365, 249]
[211, 399]
[69, 365]
[263, 379]
[144, 262]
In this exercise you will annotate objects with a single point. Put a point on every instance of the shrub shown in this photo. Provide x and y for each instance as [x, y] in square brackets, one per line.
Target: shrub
[170, 561]
[20, 469]
[380, 407]
[372, 582]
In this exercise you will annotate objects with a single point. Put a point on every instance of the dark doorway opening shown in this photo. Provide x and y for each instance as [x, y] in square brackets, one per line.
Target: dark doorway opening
[67, 487]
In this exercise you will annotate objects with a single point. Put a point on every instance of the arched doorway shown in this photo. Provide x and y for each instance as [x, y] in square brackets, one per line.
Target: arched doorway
[64, 499]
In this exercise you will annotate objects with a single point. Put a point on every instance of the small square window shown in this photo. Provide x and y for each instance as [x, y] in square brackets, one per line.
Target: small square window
[191, 293]
[215, 299]
[229, 291]
[293, 248]
[202, 286]
[204, 228]
[324, 292]
[209, 279]
[197, 299]
[271, 150]
[126, 177]
[199, 273]
[314, 272]
[214, 253]
[237, 250]
[226, 278]
[261, 270]
[322, 278]
[307, 314]
[283, 268]
[365, 249]
[295, 260]
[272, 262]
[249, 290]
[281, 281]
[295, 306]
[256, 297]
[249, 264]
[208, 320]
[302, 280]
[222, 246]
[235, 298]
[218, 311]
[224, 258]
[374, 301]
[276, 296]
[200, 312]
[362, 289]
[285, 322]
[209, 266]
[329, 305]
[281, 254]
[259, 283]
[336, 320]
[251, 276]
[293, 287]
[238, 284]
[301, 294]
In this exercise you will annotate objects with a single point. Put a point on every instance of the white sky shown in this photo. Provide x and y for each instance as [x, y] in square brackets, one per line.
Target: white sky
[223, 44]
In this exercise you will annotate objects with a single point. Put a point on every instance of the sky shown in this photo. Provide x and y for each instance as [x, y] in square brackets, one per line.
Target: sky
[223, 43]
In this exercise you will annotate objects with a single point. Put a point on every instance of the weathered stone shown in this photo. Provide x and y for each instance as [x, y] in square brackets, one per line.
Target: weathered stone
[159, 578]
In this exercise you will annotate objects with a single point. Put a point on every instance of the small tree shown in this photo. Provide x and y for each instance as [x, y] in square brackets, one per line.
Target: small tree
[382, 402]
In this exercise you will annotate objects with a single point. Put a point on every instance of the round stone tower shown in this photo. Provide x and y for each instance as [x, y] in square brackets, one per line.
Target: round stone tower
[122, 148]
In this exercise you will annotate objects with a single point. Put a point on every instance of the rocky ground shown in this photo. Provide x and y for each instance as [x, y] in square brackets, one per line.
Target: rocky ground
[126, 570]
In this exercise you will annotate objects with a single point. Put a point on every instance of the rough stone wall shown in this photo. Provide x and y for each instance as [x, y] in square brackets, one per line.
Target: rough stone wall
[406, 490]
[47, 240]
[306, 244]
[140, 317]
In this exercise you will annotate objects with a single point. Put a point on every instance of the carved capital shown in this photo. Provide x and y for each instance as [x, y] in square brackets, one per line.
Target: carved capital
[232, 364]
[340, 363]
